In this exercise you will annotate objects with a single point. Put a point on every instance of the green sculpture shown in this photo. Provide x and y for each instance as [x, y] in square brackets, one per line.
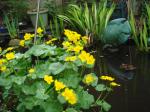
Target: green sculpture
[117, 32]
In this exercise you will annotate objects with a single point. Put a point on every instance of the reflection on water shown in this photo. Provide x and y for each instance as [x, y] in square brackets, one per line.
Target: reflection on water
[134, 93]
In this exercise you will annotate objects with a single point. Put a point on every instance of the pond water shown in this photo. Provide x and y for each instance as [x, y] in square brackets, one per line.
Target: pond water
[134, 93]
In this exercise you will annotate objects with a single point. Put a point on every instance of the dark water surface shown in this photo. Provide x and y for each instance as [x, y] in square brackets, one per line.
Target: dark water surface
[134, 93]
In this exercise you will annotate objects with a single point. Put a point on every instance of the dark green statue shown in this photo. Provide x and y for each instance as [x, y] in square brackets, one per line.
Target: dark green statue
[117, 32]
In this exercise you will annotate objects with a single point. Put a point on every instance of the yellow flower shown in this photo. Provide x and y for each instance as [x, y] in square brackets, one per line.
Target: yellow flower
[28, 36]
[89, 78]
[31, 70]
[9, 48]
[10, 56]
[83, 56]
[39, 30]
[48, 79]
[3, 68]
[114, 84]
[85, 39]
[69, 96]
[59, 85]
[22, 43]
[108, 78]
[50, 41]
[90, 60]
[77, 48]
[2, 61]
[66, 44]
[70, 58]
[0, 49]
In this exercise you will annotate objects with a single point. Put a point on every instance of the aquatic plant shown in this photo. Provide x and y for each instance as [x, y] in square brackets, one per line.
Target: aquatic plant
[88, 20]
[49, 78]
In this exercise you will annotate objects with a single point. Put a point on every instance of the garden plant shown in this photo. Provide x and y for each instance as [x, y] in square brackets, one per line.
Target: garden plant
[49, 77]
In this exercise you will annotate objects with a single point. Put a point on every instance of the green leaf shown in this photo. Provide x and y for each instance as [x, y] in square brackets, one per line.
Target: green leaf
[40, 93]
[100, 87]
[56, 68]
[18, 79]
[29, 89]
[70, 78]
[52, 106]
[106, 106]
[71, 110]
[85, 99]
[61, 99]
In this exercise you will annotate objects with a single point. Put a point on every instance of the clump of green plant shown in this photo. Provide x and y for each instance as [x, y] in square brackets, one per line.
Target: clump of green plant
[56, 27]
[88, 20]
[11, 25]
[48, 78]
[140, 33]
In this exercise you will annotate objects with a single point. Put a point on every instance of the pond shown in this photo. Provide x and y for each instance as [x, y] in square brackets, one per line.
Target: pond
[134, 93]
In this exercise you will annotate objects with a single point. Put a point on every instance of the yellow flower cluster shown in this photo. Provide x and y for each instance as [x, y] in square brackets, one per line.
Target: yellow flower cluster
[72, 36]
[2, 61]
[70, 96]
[86, 57]
[111, 79]
[10, 56]
[89, 79]
[67, 93]
[2, 66]
[75, 42]
[48, 79]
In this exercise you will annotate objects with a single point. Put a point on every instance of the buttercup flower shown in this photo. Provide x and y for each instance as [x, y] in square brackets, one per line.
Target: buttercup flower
[90, 60]
[39, 30]
[48, 79]
[2, 61]
[66, 44]
[31, 70]
[77, 49]
[69, 96]
[108, 78]
[89, 78]
[10, 56]
[114, 84]
[59, 85]
[22, 43]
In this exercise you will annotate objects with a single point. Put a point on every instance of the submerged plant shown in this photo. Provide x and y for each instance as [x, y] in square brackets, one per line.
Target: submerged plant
[88, 20]
[49, 78]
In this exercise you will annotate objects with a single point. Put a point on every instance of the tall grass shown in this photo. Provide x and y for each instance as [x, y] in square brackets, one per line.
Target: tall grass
[88, 20]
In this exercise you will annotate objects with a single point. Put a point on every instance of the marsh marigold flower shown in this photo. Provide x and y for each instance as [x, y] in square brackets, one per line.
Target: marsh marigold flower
[3, 68]
[89, 78]
[108, 78]
[59, 85]
[77, 49]
[90, 60]
[9, 48]
[48, 79]
[69, 96]
[66, 44]
[22, 43]
[39, 30]
[114, 84]
[31, 70]
[10, 56]
[2, 61]
[28, 36]
[70, 58]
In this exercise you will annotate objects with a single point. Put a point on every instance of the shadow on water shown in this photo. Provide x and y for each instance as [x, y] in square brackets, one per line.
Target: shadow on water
[134, 93]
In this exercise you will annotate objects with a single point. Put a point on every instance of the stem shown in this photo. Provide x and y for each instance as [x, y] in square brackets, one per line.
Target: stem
[37, 18]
